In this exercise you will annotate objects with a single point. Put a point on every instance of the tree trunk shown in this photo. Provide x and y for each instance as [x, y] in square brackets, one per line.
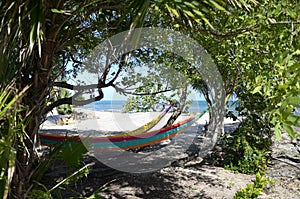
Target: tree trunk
[179, 110]
[35, 102]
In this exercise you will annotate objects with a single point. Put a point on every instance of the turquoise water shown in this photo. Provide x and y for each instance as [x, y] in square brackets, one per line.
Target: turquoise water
[116, 105]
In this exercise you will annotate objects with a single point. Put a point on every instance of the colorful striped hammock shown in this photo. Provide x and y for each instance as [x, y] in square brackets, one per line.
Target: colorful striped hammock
[125, 141]
[50, 139]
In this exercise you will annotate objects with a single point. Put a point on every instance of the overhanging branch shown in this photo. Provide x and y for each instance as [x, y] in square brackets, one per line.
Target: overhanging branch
[72, 101]
[124, 92]
[149, 93]
[72, 87]
[80, 87]
[75, 60]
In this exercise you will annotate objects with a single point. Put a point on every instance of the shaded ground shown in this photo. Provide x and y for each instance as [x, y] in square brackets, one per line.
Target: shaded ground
[284, 170]
[194, 180]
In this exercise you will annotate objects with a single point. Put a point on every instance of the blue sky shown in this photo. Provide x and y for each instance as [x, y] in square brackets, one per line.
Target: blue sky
[109, 92]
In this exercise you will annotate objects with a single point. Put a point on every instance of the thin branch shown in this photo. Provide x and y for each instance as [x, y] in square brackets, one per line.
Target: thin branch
[81, 87]
[261, 51]
[75, 60]
[67, 100]
[63, 85]
[296, 160]
[124, 92]
[284, 22]
[228, 34]
[71, 101]
[294, 165]
[178, 111]
[88, 101]
[230, 90]
[123, 59]
[154, 93]
[69, 177]
[107, 64]
[292, 35]
[93, 9]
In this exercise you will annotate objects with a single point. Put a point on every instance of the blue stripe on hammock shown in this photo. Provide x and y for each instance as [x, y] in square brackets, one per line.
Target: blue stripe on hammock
[141, 141]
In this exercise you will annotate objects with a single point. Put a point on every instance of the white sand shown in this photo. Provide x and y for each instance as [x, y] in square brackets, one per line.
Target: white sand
[108, 122]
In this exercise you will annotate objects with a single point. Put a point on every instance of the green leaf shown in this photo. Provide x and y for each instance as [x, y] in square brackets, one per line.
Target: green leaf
[297, 52]
[189, 13]
[289, 130]
[219, 7]
[32, 37]
[189, 4]
[283, 87]
[196, 3]
[198, 13]
[285, 113]
[295, 66]
[294, 100]
[257, 90]
[54, 10]
[278, 131]
[293, 118]
[72, 153]
[174, 11]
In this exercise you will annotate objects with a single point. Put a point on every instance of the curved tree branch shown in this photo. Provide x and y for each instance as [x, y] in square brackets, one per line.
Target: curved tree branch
[179, 110]
[67, 100]
[72, 87]
[121, 65]
[63, 85]
[75, 60]
[72, 101]
[124, 92]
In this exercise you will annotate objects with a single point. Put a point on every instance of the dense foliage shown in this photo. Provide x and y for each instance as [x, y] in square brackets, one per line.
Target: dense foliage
[11, 127]
[64, 108]
[257, 52]
[254, 44]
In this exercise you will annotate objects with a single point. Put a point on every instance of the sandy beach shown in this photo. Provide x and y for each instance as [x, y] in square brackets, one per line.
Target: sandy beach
[174, 182]
[111, 122]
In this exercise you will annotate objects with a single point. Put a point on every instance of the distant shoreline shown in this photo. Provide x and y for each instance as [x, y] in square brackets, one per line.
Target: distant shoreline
[117, 105]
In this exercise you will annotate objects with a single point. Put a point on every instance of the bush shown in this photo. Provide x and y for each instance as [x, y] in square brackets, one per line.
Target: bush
[39, 194]
[246, 149]
[64, 109]
[252, 191]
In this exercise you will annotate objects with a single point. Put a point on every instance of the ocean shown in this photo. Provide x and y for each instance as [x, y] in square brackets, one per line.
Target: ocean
[117, 105]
